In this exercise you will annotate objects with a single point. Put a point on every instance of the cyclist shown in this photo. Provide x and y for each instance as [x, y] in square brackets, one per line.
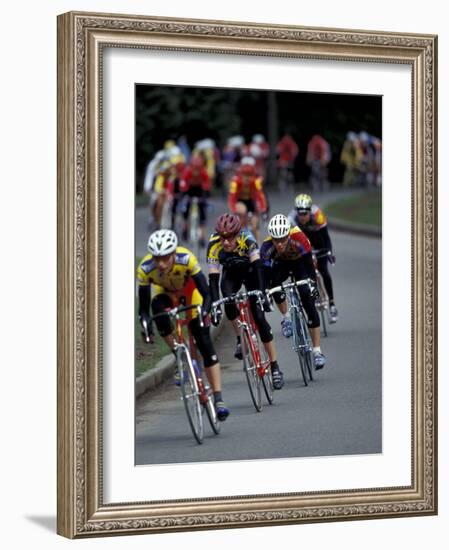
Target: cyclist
[288, 250]
[287, 151]
[318, 158]
[167, 182]
[171, 274]
[247, 187]
[196, 183]
[311, 219]
[237, 252]
[259, 150]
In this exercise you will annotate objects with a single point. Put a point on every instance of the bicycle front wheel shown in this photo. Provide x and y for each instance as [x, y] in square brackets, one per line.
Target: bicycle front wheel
[299, 343]
[267, 379]
[250, 367]
[191, 395]
[212, 414]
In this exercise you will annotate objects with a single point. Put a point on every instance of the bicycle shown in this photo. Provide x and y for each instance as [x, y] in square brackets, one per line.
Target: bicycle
[286, 177]
[256, 362]
[322, 302]
[302, 343]
[196, 393]
[193, 221]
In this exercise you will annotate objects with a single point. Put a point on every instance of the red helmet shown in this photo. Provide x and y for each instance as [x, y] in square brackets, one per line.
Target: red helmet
[228, 224]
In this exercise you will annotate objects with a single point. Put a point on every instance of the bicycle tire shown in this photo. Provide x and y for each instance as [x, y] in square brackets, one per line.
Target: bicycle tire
[212, 414]
[299, 345]
[190, 395]
[267, 379]
[250, 368]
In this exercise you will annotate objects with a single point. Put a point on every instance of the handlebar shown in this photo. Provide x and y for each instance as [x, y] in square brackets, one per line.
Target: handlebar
[282, 287]
[176, 311]
[321, 253]
[241, 296]
[238, 297]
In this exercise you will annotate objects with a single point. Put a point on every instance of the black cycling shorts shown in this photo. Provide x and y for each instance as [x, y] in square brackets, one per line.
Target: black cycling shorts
[280, 271]
[231, 282]
[201, 335]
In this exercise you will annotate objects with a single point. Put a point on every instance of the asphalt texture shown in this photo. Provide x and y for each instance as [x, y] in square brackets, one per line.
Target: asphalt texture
[339, 413]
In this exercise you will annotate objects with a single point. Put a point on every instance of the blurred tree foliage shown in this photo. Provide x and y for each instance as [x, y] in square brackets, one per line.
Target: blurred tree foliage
[168, 112]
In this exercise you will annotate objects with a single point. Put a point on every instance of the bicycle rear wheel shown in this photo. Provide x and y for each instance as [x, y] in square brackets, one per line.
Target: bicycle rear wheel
[191, 395]
[299, 345]
[250, 367]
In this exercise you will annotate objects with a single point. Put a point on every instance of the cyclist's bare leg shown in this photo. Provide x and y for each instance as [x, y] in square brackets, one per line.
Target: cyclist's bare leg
[255, 226]
[170, 340]
[213, 374]
[235, 326]
[270, 348]
[283, 307]
[315, 335]
[158, 208]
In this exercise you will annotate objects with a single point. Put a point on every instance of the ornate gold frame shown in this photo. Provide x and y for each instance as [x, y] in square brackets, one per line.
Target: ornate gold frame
[81, 37]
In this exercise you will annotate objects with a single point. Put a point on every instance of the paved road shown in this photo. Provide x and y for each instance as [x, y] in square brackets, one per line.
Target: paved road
[339, 413]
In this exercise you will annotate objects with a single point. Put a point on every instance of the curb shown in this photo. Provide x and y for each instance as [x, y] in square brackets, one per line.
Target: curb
[355, 228]
[164, 369]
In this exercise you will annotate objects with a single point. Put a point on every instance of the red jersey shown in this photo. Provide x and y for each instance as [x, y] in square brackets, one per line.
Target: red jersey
[247, 189]
[287, 150]
[197, 178]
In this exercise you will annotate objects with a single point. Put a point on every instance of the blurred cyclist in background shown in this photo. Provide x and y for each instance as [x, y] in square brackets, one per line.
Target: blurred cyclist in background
[317, 158]
[247, 187]
[195, 183]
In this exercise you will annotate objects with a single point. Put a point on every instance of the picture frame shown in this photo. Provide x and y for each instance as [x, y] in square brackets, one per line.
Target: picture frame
[82, 40]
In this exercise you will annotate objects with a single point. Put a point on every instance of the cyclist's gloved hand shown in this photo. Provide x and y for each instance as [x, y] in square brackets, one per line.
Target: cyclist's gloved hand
[266, 303]
[331, 259]
[265, 215]
[216, 316]
[147, 329]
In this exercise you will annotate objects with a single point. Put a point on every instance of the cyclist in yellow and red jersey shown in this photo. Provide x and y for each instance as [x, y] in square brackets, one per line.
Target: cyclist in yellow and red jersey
[166, 276]
[247, 187]
[311, 219]
[288, 250]
[196, 183]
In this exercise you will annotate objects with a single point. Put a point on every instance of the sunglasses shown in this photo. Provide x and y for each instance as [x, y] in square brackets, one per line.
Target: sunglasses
[303, 212]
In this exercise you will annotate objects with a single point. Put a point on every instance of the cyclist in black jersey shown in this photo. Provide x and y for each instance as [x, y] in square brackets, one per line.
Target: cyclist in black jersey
[237, 253]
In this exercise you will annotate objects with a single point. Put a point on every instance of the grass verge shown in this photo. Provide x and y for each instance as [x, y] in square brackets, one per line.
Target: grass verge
[364, 208]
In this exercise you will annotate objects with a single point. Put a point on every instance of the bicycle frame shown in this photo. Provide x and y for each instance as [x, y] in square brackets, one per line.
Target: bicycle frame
[301, 342]
[256, 367]
[201, 388]
[246, 323]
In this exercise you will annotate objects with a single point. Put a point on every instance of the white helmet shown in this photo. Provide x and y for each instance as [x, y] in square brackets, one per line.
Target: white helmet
[248, 160]
[258, 138]
[279, 226]
[162, 242]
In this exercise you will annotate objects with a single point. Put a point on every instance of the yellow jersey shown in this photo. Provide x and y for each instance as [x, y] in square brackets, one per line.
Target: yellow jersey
[184, 268]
